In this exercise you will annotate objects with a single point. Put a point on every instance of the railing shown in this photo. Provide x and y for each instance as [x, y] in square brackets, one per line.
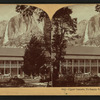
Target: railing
[12, 65]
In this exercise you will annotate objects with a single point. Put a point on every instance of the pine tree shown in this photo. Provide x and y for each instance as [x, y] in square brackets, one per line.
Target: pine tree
[64, 29]
[34, 57]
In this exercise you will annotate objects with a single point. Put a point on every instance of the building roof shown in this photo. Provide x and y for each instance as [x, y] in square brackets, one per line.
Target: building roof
[82, 50]
[11, 58]
[12, 52]
[71, 51]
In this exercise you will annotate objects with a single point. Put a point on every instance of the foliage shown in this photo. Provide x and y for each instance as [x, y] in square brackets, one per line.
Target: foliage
[47, 33]
[97, 8]
[25, 10]
[28, 12]
[64, 29]
[14, 82]
[45, 69]
[65, 80]
[34, 57]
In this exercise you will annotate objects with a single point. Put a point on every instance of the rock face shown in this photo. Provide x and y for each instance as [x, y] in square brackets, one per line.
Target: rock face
[18, 31]
[94, 31]
[81, 29]
[3, 25]
[94, 26]
[89, 32]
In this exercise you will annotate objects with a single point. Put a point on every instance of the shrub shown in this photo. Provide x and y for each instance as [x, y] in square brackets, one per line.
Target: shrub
[15, 82]
[65, 80]
[45, 79]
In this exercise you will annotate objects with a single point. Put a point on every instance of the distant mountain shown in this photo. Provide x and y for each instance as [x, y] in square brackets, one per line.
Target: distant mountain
[88, 32]
[3, 25]
[18, 31]
[94, 31]
[94, 26]
[81, 29]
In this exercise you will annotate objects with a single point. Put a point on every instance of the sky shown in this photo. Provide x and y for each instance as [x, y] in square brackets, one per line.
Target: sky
[83, 11]
[80, 11]
[7, 11]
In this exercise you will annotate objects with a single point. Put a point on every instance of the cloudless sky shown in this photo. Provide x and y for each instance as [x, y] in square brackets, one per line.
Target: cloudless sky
[7, 11]
[83, 11]
[80, 11]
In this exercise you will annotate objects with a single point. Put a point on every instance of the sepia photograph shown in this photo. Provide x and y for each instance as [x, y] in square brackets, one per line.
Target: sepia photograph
[75, 49]
[25, 40]
[39, 51]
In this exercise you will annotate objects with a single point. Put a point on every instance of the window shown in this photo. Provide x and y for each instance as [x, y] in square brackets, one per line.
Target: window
[87, 62]
[99, 62]
[7, 62]
[63, 70]
[75, 62]
[81, 62]
[93, 62]
[81, 69]
[1, 62]
[75, 69]
[14, 62]
[99, 69]
[20, 62]
[63, 64]
[69, 62]
[87, 69]
[2, 71]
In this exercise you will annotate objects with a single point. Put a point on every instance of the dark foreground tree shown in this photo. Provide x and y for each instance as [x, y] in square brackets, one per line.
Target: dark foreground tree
[34, 57]
[97, 8]
[64, 30]
[28, 12]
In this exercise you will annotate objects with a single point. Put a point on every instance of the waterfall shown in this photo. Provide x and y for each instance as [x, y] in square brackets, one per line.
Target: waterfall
[6, 35]
[86, 38]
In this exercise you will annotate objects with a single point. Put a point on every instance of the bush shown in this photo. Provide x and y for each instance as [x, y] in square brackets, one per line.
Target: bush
[45, 78]
[89, 81]
[15, 82]
[65, 80]
[94, 80]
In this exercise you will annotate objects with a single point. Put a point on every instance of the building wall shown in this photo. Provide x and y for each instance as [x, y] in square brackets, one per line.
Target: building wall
[11, 67]
[83, 65]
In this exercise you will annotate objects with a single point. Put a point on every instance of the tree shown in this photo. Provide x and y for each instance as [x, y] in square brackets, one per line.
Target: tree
[64, 29]
[28, 12]
[34, 57]
[97, 8]
[25, 10]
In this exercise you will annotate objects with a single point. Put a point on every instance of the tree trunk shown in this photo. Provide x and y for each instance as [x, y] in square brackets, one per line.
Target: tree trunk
[47, 33]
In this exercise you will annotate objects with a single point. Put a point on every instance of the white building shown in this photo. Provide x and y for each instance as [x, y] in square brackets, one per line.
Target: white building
[83, 59]
[11, 60]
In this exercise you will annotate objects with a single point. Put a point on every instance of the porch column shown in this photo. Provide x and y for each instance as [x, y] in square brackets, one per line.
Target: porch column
[4, 67]
[66, 65]
[84, 65]
[97, 67]
[90, 66]
[78, 66]
[17, 68]
[72, 66]
[10, 67]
